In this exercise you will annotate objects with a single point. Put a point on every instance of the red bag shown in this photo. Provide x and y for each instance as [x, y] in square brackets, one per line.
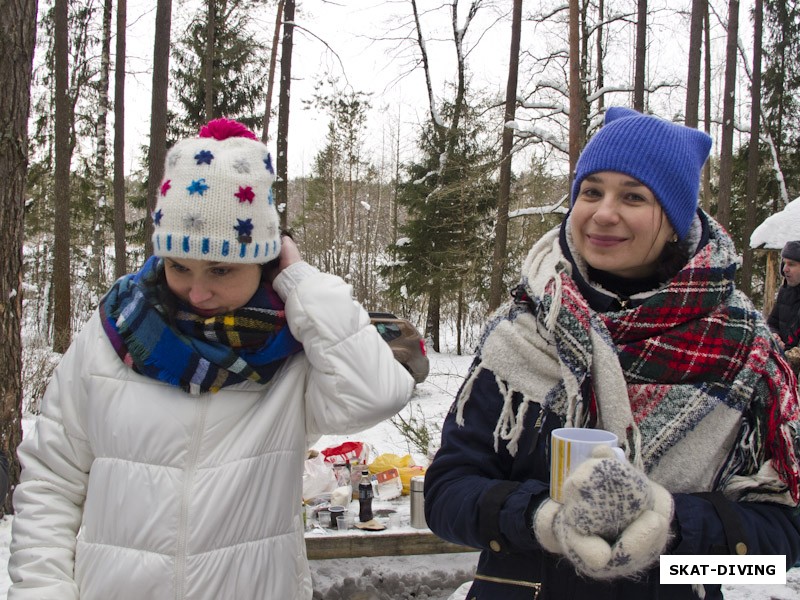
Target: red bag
[344, 452]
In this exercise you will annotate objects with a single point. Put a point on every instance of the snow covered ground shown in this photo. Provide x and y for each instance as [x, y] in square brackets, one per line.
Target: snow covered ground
[419, 577]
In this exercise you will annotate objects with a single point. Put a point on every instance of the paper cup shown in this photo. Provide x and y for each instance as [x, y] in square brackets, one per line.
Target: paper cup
[570, 447]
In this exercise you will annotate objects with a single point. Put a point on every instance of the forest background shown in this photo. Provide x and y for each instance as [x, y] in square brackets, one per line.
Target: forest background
[437, 138]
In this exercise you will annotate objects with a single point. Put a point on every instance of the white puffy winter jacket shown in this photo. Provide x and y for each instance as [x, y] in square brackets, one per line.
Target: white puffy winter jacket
[133, 489]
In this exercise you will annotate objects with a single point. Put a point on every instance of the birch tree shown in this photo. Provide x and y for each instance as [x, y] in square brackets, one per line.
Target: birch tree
[100, 174]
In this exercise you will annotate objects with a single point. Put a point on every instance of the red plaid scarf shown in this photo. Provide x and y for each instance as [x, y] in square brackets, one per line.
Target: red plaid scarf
[710, 403]
[698, 343]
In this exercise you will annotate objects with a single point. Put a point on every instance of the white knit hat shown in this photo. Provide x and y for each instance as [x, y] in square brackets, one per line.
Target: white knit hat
[215, 202]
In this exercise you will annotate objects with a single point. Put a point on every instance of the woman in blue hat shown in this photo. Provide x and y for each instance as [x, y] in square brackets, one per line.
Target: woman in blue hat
[625, 319]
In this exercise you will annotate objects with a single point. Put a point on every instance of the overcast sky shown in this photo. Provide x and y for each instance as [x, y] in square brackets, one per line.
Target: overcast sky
[337, 42]
[350, 39]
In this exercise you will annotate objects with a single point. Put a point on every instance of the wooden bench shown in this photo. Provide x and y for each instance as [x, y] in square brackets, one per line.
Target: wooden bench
[379, 543]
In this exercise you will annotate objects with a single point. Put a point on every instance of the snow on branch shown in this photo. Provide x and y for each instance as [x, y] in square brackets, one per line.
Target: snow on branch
[540, 210]
[764, 133]
[538, 133]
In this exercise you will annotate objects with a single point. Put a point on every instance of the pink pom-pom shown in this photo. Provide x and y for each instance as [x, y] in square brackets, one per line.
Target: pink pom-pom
[221, 129]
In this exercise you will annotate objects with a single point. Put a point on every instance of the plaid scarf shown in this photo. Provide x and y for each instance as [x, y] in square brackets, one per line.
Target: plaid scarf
[197, 354]
[690, 379]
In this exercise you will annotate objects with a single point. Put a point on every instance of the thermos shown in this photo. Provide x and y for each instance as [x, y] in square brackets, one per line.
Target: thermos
[418, 502]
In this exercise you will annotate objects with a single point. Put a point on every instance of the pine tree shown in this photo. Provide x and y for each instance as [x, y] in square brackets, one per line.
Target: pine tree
[781, 97]
[238, 67]
[445, 245]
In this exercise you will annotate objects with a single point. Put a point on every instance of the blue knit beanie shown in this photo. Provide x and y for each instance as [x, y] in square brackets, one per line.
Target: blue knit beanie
[664, 156]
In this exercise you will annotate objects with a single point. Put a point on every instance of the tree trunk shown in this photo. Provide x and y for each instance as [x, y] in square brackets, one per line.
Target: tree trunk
[695, 55]
[460, 307]
[100, 176]
[707, 105]
[158, 114]
[120, 266]
[284, 97]
[728, 108]
[601, 11]
[17, 38]
[61, 261]
[641, 54]
[271, 77]
[752, 151]
[432, 322]
[574, 88]
[208, 59]
[501, 227]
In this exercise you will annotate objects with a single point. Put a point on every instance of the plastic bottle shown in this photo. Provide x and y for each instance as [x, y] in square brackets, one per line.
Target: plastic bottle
[365, 497]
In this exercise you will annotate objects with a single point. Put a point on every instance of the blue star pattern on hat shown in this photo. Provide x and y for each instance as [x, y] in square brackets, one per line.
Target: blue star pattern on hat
[216, 199]
[203, 157]
[197, 187]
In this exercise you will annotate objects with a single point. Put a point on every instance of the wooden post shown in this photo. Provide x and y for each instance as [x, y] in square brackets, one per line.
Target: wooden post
[772, 279]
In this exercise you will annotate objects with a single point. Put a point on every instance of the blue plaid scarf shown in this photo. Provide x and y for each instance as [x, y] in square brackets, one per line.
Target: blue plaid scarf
[195, 353]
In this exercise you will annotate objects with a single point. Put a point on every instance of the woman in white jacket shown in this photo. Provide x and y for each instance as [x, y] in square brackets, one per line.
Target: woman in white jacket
[167, 459]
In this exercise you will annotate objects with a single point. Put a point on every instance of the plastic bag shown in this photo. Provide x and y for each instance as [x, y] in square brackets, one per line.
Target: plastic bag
[404, 464]
[344, 452]
[388, 483]
[318, 477]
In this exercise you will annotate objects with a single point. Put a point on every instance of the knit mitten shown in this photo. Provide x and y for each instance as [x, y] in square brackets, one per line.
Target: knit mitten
[614, 522]
[793, 356]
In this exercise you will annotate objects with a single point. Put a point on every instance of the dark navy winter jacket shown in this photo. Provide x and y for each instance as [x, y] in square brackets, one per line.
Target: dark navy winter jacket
[785, 316]
[485, 499]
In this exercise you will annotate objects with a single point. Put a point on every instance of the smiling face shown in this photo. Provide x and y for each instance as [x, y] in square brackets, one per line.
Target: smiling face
[618, 226]
[212, 288]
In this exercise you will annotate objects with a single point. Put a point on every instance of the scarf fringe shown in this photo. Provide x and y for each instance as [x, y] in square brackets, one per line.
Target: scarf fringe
[510, 425]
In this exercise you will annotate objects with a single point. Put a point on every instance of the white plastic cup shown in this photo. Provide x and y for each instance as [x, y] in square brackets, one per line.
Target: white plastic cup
[570, 447]
[345, 522]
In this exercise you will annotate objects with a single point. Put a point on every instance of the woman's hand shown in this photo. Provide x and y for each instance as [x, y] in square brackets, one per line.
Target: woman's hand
[779, 341]
[290, 255]
[615, 522]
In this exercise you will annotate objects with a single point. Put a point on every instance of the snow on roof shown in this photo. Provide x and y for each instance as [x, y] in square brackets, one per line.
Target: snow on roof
[779, 228]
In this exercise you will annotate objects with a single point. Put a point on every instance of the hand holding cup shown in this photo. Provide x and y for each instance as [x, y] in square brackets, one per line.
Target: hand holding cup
[614, 521]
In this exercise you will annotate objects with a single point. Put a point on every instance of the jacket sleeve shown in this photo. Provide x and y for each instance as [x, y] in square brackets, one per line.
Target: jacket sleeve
[478, 497]
[354, 381]
[763, 527]
[55, 458]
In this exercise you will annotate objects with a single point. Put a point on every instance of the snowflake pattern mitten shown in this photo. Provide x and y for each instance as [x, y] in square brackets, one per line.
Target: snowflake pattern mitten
[615, 522]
